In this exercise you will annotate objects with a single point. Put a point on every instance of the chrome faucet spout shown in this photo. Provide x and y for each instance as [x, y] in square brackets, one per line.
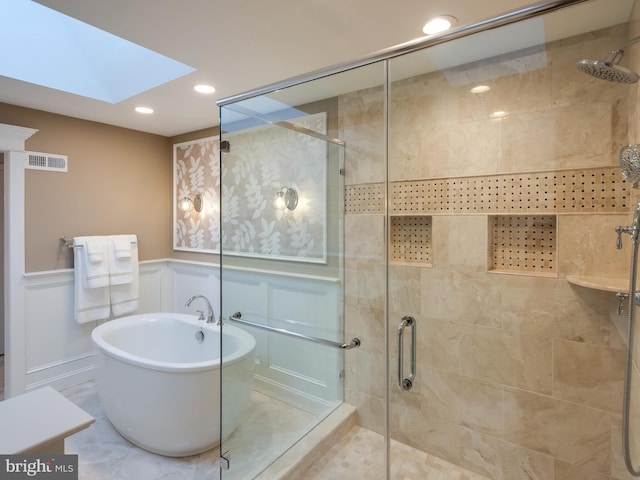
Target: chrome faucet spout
[210, 315]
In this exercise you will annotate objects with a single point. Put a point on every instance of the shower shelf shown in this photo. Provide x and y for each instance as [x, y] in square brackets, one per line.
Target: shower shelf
[605, 284]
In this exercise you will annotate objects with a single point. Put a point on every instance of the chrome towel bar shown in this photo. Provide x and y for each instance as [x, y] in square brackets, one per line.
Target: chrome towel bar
[68, 242]
[355, 341]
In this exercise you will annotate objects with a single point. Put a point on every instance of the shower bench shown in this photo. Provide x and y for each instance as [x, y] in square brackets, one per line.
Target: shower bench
[37, 422]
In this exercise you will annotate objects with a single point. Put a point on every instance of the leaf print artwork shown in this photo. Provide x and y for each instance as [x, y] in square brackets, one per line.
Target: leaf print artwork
[299, 234]
[196, 171]
[239, 216]
[261, 162]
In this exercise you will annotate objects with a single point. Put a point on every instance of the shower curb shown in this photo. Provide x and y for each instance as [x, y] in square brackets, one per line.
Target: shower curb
[299, 458]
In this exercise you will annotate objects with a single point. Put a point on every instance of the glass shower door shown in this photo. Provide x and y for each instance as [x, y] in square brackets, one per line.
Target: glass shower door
[503, 191]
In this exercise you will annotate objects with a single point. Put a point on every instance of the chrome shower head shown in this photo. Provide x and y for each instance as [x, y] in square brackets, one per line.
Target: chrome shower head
[630, 163]
[608, 71]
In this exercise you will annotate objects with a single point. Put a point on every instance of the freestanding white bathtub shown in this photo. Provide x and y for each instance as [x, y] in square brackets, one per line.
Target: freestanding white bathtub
[160, 387]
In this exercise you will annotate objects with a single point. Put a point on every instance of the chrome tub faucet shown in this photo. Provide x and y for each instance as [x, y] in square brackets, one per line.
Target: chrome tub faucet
[210, 315]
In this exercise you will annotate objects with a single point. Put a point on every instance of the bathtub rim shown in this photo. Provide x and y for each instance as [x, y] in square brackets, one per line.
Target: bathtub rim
[246, 340]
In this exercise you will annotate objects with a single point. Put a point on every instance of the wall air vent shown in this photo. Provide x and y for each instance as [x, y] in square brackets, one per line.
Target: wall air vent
[46, 161]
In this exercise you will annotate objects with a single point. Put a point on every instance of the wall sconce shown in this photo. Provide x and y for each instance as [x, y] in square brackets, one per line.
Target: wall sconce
[197, 202]
[286, 198]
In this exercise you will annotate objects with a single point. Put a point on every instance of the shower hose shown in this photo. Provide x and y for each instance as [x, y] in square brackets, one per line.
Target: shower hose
[626, 402]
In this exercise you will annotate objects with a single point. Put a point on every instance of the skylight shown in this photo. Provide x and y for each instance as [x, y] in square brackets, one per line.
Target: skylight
[47, 48]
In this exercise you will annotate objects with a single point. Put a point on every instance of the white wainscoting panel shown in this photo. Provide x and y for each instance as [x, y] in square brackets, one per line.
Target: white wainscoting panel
[295, 371]
[153, 282]
[247, 293]
[190, 278]
[56, 346]
[309, 308]
[59, 352]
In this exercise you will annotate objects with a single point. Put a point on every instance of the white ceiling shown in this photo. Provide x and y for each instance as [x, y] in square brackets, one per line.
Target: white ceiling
[238, 45]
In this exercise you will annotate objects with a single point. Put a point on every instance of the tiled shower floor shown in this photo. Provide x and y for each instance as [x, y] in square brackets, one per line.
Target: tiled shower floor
[360, 454]
[104, 455]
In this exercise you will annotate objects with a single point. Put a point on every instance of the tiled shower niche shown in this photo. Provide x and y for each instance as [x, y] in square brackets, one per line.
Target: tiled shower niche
[523, 244]
[411, 240]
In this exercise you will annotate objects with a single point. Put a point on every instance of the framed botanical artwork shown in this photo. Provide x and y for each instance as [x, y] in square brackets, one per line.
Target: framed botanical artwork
[272, 193]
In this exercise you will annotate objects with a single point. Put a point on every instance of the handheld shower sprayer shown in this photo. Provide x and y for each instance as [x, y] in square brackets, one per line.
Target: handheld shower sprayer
[635, 227]
[634, 299]
[629, 160]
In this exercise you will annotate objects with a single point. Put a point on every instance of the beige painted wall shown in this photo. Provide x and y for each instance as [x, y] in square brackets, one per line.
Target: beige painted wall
[119, 181]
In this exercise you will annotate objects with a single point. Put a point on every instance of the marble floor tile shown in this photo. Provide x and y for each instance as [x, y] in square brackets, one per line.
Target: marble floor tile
[104, 455]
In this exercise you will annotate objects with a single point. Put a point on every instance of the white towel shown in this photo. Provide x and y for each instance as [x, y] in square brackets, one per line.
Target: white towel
[120, 248]
[122, 245]
[90, 303]
[96, 263]
[94, 249]
[124, 296]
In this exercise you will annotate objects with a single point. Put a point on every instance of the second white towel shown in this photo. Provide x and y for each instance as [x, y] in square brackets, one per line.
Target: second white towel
[96, 261]
[123, 260]
[90, 303]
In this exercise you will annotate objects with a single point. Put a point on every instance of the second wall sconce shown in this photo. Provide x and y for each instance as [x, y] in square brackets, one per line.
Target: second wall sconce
[286, 197]
[186, 203]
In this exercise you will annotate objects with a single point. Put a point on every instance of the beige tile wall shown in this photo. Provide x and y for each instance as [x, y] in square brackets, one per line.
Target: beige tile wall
[519, 376]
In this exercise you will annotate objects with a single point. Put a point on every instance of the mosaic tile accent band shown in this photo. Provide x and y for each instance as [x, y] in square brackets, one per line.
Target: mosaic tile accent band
[598, 190]
[595, 190]
[364, 199]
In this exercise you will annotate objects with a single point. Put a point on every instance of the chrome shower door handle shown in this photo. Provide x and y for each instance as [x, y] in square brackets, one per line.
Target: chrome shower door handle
[406, 383]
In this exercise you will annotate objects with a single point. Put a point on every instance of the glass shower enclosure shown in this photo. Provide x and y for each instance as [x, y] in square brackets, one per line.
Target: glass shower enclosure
[428, 236]
[282, 272]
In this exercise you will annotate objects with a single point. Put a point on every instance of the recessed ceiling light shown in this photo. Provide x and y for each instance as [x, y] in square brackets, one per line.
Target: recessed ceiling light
[480, 89]
[499, 114]
[202, 88]
[145, 110]
[439, 24]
